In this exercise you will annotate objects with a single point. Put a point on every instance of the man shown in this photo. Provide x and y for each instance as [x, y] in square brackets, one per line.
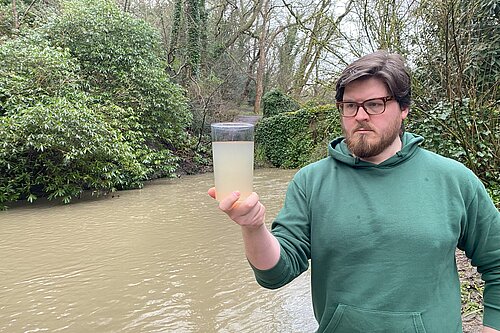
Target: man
[379, 220]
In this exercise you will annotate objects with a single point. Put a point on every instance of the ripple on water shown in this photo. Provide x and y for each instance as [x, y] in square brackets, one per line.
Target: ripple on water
[159, 259]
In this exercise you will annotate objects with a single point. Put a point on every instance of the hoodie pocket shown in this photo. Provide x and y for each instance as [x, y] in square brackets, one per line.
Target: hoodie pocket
[350, 319]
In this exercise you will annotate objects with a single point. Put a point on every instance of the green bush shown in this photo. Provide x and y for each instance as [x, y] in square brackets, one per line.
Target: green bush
[275, 102]
[157, 161]
[465, 133]
[294, 139]
[33, 71]
[61, 148]
[31, 14]
[85, 103]
[106, 41]
[6, 21]
[121, 62]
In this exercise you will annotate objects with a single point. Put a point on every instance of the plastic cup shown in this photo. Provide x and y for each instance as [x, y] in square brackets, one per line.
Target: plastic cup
[232, 149]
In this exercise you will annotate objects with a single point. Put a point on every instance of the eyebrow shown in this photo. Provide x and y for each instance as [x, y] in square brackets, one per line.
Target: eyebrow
[354, 100]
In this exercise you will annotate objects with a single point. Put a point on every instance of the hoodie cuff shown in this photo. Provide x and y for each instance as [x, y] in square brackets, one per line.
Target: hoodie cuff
[491, 317]
[272, 278]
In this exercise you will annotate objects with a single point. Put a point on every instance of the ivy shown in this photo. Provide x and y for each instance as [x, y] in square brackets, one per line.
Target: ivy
[275, 102]
[294, 139]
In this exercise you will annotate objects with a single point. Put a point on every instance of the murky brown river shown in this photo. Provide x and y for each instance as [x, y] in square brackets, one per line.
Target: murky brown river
[160, 259]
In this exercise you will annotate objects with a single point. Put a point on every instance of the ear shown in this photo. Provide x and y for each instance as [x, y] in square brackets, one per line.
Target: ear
[404, 112]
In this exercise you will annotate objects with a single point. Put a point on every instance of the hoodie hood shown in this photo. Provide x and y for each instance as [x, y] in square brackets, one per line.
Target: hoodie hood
[339, 151]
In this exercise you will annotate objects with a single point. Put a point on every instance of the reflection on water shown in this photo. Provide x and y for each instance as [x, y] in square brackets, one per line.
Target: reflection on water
[160, 259]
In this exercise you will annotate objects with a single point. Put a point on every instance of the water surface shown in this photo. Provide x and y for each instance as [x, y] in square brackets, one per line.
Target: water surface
[159, 259]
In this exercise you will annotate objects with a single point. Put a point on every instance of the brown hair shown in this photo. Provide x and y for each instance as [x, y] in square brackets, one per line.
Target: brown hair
[387, 67]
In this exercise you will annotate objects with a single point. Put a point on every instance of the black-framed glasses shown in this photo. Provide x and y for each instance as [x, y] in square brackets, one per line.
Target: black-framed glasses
[371, 106]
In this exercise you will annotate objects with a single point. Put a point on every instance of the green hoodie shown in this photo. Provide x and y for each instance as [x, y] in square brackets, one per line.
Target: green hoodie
[381, 240]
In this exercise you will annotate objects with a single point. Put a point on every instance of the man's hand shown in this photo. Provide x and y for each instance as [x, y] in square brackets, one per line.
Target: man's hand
[489, 330]
[261, 247]
[249, 213]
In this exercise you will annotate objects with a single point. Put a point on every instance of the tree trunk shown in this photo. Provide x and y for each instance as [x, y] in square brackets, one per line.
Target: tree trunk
[15, 15]
[259, 82]
[193, 42]
[174, 35]
[250, 78]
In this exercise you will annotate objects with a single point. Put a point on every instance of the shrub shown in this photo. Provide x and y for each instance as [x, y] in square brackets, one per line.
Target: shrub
[60, 149]
[106, 41]
[33, 71]
[121, 62]
[157, 161]
[85, 103]
[31, 14]
[276, 102]
[294, 139]
[465, 133]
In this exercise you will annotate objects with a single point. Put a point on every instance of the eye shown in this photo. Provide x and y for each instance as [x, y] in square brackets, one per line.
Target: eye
[374, 104]
[349, 105]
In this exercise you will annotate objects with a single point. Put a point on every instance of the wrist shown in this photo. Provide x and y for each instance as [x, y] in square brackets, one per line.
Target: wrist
[253, 228]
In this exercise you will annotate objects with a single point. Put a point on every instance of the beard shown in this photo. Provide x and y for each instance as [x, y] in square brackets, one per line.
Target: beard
[373, 143]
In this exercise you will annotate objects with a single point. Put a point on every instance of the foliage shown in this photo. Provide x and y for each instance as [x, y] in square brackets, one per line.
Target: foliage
[188, 37]
[120, 59]
[459, 54]
[464, 132]
[30, 14]
[33, 71]
[155, 161]
[60, 148]
[293, 139]
[276, 102]
[471, 289]
[194, 33]
[6, 20]
[86, 104]
[115, 61]
[106, 41]
[494, 192]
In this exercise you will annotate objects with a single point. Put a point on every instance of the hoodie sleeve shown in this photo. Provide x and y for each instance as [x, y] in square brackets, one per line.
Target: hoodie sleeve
[291, 228]
[480, 239]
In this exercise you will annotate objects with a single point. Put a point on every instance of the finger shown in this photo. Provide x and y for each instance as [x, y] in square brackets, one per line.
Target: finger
[252, 200]
[261, 215]
[227, 203]
[253, 217]
[211, 192]
[250, 208]
[245, 207]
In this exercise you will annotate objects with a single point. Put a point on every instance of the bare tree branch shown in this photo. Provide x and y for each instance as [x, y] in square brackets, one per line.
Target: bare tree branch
[247, 25]
[29, 7]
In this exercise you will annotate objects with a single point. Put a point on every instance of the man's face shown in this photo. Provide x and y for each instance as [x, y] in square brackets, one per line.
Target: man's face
[372, 137]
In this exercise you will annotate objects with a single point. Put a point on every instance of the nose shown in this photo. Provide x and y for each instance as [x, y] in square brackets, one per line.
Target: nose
[361, 114]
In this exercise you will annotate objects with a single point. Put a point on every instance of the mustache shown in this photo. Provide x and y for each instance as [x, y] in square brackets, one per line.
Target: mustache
[364, 126]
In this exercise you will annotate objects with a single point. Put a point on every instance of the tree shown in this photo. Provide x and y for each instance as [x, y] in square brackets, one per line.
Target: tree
[15, 16]
[262, 42]
[320, 36]
[187, 38]
[457, 78]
